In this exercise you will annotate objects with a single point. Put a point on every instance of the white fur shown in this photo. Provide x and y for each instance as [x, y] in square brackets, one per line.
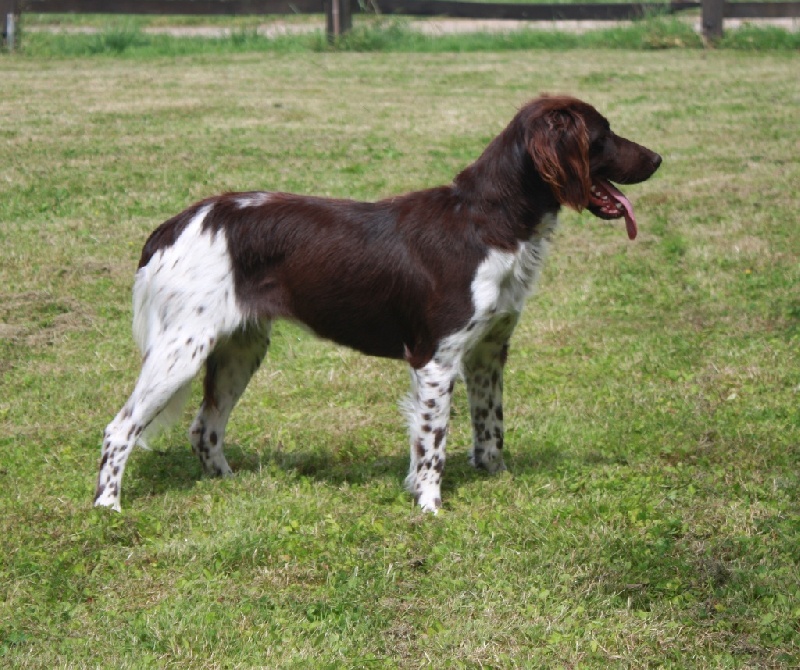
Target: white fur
[501, 284]
[505, 279]
[186, 286]
[256, 199]
[202, 307]
[428, 413]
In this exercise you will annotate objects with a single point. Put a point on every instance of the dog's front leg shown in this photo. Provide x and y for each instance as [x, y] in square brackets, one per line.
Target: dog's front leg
[428, 414]
[483, 374]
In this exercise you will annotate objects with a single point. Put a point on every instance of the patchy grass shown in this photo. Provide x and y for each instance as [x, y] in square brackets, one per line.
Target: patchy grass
[650, 517]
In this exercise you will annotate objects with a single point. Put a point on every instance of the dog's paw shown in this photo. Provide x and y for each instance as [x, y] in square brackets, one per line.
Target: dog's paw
[430, 501]
[218, 470]
[108, 502]
[488, 461]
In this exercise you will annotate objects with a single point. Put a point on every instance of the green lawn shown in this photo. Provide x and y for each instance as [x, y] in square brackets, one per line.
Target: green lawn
[650, 516]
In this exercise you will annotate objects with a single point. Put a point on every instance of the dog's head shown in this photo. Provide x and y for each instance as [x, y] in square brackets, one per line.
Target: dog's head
[577, 154]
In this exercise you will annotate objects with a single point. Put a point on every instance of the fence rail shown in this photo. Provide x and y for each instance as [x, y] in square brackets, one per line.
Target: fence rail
[619, 11]
[175, 7]
[339, 12]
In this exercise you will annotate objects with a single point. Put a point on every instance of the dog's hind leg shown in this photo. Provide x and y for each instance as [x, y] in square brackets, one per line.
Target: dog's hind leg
[163, 384]
[228, 371]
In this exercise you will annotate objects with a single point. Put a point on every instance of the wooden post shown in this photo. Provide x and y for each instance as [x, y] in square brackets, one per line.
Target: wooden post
[8, 22]
[713, 13]
[339, 18]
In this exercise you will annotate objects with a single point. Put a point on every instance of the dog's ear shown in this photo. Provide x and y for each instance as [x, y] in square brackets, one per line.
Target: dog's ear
[558, 142]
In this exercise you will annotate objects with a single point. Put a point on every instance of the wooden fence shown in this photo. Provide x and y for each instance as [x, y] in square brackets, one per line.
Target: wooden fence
[339, 12]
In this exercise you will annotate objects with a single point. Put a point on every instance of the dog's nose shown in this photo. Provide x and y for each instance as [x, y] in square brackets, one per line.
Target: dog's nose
[656, 161]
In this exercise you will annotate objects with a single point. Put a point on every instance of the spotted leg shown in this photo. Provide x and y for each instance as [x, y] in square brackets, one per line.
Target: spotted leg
[164, 381]
[483, 374]
[228, 371]
[428, 411]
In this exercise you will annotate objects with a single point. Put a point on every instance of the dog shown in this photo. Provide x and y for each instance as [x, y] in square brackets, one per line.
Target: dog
[436, 278]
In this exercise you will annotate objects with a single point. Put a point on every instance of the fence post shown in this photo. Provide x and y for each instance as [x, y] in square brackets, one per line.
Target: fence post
[713, 13]
[339, 18]
[8, 12]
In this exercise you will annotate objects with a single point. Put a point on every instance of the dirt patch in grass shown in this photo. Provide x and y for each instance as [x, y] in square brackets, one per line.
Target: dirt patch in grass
[36, 318]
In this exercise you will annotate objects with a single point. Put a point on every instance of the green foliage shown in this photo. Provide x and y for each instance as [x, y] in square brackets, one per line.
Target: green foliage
[129, 36]
[657, 32]
[757, 38]
[649, 517]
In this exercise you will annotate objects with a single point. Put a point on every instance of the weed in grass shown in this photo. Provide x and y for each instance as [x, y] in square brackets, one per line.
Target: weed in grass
[115, 42]
[657, 32]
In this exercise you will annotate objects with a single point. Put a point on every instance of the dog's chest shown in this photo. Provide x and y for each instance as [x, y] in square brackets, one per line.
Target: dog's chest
[504, 279]
[501, 283]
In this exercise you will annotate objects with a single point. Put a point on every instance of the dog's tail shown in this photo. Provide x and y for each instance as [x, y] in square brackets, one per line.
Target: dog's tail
[144, 317]
[141, 309]
[167, 416]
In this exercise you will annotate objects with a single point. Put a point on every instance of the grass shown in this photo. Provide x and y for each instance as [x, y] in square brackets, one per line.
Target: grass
[650, 517]
[133, 36]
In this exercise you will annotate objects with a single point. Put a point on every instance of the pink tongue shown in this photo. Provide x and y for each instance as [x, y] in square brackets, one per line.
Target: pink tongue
[630, 219]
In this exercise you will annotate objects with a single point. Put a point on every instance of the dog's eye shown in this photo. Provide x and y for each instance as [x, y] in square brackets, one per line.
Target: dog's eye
[598, 145]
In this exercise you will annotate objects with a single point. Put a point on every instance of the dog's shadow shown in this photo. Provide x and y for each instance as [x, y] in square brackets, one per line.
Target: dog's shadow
[174, 467]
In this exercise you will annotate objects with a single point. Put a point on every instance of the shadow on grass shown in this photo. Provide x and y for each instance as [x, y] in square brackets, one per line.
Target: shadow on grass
[175, 467]
[157, 471]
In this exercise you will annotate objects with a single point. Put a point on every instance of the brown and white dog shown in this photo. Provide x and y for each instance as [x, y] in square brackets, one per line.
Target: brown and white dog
[436, 278]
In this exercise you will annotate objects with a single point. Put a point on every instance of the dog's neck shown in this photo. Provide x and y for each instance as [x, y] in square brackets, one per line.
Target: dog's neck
[503, 183]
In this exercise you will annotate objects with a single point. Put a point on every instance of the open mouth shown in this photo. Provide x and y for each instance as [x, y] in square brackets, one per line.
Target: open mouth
[606, 201]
